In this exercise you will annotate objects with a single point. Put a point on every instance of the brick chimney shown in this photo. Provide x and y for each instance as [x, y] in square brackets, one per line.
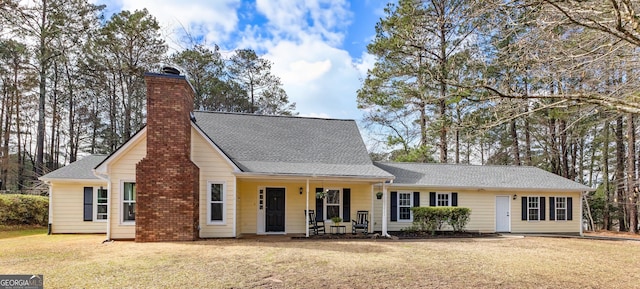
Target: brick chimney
[166, 179]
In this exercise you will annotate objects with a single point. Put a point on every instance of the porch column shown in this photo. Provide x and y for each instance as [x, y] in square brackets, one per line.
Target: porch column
[384, 210]
[306, 216]
[373, 200]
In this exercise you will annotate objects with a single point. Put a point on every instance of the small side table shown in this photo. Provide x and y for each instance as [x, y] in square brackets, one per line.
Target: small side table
[338, 229]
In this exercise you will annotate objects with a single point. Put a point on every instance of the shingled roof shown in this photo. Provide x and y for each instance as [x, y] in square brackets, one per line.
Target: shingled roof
[478, 177]
[289, 145]
[78, 170]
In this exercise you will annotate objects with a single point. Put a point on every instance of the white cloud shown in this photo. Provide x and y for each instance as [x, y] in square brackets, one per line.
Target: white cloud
[213, 20]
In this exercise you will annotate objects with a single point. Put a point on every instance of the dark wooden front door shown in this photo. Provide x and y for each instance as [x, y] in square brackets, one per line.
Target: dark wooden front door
[275, 210]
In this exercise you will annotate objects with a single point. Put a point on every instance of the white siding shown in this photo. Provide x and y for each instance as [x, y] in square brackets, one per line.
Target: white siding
[67, 208]
[213, 168]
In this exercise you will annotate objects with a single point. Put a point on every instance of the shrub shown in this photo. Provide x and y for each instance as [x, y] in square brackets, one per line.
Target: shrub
[24, 210]
[432, 218]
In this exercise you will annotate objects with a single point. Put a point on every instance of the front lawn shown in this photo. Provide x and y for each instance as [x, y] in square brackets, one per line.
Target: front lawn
[82, 261]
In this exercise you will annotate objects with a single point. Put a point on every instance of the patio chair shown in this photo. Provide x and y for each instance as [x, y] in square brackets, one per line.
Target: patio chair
[361, 222]
[314, 224]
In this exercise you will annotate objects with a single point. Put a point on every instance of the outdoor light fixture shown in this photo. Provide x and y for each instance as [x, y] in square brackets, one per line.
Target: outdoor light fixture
[301, 190]
[515, 196]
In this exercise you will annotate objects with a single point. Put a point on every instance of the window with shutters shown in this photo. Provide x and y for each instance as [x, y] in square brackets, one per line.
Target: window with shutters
[128, 202]
[533, 208]
[561, 208]
[443, 199]
[333, 204]
[405, 202]
[101, 204]
[216, 199]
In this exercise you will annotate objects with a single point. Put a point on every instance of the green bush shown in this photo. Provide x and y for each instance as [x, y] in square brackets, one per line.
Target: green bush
[432, 218]
[24, 210]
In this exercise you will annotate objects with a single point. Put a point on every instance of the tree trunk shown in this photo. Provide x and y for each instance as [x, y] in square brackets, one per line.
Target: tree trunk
[632, 209]
[43, 92]
[619, 184]
[606, 219]
[514, 143]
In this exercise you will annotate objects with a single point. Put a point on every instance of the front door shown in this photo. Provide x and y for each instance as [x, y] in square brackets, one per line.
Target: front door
[503, 219]
[274, 214]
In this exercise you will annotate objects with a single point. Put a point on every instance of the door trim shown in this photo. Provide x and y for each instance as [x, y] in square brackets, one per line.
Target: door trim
[508, 198]
[284, 212]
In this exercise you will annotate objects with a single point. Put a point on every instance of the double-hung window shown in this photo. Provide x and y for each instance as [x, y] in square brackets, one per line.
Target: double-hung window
[129, 202]
[332, 203]
[533, 208]
[561, 208]
[405, 201]
[216, 199]
[101, 204]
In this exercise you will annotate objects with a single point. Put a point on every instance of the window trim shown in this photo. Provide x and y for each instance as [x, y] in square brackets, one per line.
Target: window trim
[122, 221]
[448, 199]
[223, 195]
[399, 220]
[95, 205]
[529, 208]
[341, 202]
[556, 209]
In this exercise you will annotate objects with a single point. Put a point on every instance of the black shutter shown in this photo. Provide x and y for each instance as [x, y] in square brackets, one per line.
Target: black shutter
[88, 203]
[432, 199]
[346, 205]
[552, 208]
[542, 211]
[454, 199]
[569, 208]
[394, 206]
[416, 199]
[319, 206]
[524, 208]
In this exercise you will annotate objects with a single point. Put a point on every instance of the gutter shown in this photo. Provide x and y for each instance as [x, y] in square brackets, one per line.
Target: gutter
[106, 178]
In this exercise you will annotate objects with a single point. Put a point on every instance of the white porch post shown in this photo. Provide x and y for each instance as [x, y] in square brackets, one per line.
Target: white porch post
[373, 199]
[306, 216]
[384, 210]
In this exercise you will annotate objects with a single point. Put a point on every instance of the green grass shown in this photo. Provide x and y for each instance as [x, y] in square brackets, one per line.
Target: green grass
[20, 231]
[83, 261]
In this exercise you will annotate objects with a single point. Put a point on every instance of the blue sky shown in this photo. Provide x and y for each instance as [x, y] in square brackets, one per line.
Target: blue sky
[318, 47]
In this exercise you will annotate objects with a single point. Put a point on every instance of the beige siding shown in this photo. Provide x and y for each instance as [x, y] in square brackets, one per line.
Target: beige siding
[213, 168]
[67, 208]
[124, 169]
[295, 203]
[483, 207]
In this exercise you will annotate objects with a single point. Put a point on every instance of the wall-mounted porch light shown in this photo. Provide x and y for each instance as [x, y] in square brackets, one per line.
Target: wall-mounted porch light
[515, 196]
[301, 190]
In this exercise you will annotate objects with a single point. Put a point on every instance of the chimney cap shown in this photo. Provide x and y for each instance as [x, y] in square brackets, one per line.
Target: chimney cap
[170, 70]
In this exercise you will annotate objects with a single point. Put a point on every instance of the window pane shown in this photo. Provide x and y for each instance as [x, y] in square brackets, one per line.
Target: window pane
[333, 211]
[216, 192]
[404, 199]
[102, 195]
[102, 209]
[333, 197]
[443, 200]
[216, 212]
[129, 191]
[405, 213]
[129, 211]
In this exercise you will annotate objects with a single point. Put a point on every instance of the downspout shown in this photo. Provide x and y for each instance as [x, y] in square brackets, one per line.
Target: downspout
[50, 222]
[109, 203]
[581, 223]
[306, 216]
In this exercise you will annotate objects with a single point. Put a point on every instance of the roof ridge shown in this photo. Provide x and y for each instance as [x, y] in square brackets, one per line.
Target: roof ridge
[272, 115]
[462, 165]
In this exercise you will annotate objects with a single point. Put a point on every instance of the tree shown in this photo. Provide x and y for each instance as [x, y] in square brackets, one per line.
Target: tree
[264, 89]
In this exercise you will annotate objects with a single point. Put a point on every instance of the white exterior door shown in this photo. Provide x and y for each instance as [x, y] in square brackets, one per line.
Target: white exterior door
[503, 214]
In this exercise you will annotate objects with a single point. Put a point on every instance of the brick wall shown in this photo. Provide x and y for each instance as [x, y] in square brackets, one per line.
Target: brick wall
[167, 179]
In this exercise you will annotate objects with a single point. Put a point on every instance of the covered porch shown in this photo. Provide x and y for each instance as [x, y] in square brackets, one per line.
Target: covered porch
[276, 205]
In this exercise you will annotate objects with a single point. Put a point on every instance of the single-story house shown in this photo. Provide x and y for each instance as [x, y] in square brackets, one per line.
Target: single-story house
[189, 175]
